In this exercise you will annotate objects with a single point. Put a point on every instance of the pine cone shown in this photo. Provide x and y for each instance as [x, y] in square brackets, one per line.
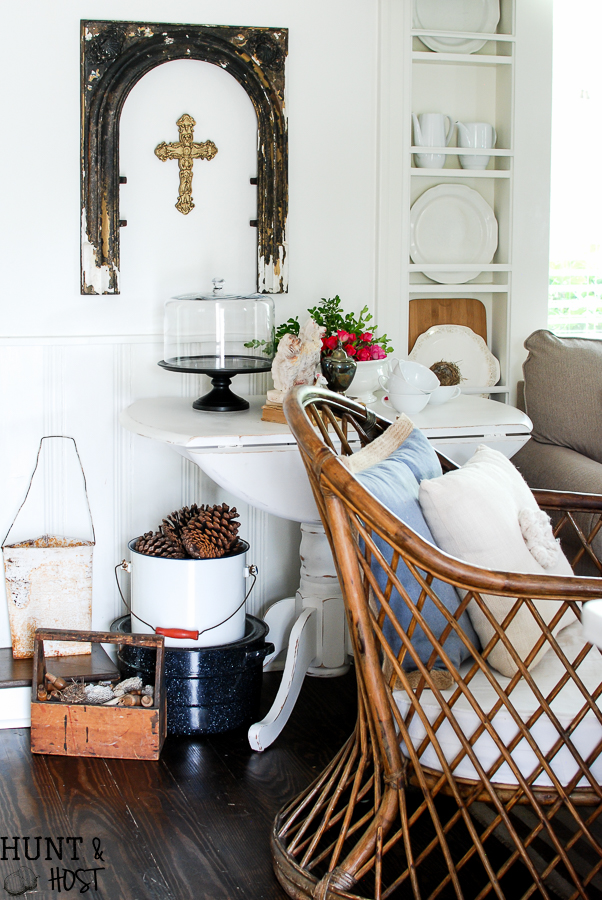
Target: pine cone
[212, 533]
[158, 545]
[198, 545]
[180, 518]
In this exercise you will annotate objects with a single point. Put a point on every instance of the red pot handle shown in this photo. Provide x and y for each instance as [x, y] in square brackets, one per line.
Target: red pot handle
[178, 633]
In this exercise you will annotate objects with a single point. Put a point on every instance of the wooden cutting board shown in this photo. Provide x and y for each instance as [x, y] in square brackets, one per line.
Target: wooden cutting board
[430, 311]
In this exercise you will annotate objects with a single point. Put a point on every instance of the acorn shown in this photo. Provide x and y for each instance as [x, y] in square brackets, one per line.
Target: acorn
[56, 681]
[146, 700]
[42, 692]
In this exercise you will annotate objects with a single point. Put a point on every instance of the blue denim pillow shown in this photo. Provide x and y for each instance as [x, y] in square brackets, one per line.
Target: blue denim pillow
[394, 482]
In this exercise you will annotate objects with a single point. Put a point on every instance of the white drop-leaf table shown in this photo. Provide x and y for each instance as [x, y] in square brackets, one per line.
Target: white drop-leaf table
[259, 463]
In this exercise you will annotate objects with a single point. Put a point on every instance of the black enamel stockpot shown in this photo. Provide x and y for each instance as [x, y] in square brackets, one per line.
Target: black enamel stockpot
[208, 689]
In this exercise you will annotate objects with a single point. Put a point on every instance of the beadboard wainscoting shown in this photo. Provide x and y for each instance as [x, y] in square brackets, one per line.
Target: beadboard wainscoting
[77, 386]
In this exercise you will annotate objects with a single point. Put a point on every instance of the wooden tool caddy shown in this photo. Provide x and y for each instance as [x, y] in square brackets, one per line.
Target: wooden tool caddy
[81, 729]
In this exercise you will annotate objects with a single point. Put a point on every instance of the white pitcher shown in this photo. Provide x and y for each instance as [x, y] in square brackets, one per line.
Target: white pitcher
[477, 135]
[432, 130]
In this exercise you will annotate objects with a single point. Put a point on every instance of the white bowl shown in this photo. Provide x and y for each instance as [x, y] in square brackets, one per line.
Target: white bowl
[410, 378]
[366, 379]
[444, 393]
[406, 403]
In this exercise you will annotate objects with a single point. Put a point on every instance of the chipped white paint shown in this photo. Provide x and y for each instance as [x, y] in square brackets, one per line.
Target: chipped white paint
[48, 585]
[273, 276]
[97, 277]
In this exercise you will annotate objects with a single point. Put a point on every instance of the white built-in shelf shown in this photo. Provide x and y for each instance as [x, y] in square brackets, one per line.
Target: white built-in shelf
[493, 389]
[469, 35]
[460, 59]
[463, 151]
[463, 290]
[459, 267]
[460, 173]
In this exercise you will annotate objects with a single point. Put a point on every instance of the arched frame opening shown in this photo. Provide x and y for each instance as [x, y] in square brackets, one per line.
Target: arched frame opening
[115, 56]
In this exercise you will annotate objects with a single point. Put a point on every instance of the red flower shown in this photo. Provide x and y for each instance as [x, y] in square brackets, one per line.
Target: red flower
[350, 350]
[366, 336]
[343, 336]
[331, 342]
[363, 354]
[377, 352]
[351, 337]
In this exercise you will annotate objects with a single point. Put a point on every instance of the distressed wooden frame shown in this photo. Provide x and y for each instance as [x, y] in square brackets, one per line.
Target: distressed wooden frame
[114, 57]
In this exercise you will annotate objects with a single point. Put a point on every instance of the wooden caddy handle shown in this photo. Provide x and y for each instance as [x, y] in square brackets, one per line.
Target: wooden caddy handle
[156, 641]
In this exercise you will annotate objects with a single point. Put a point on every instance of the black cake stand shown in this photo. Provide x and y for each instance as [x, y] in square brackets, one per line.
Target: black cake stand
[221, 370]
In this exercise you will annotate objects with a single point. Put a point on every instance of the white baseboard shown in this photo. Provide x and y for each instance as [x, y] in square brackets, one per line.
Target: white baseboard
[15, 707]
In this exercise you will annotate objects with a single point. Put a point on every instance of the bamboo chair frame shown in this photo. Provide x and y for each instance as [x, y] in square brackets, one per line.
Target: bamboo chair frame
[377, 823]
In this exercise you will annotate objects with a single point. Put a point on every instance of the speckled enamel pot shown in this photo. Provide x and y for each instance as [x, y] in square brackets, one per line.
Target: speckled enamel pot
[208, 689]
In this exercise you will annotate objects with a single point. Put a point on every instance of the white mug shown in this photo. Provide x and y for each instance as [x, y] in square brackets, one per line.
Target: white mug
[432, 130]
[478, 136]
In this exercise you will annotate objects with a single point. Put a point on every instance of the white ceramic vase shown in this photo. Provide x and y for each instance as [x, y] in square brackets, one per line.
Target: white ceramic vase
[366, 379]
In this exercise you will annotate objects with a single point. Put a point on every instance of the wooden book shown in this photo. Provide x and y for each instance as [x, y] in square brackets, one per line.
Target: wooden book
[273, 412]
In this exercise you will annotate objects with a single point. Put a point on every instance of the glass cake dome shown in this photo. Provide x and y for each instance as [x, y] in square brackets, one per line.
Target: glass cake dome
[220, 335]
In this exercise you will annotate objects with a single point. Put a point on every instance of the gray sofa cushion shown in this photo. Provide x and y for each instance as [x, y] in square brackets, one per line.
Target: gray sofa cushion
[560, 469]
[563, 394]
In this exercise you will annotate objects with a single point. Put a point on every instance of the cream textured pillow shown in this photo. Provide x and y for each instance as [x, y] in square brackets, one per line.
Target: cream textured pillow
[485, 513]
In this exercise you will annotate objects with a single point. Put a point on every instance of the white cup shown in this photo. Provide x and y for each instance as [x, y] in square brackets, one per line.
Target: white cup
[477, 136]
[432, 130]
[409, 377]
[444, 393]
[406, 403]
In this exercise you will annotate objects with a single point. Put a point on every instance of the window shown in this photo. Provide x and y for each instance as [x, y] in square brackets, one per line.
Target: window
[575, 294]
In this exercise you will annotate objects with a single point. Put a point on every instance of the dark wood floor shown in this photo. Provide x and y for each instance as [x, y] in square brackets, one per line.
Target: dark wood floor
[196, 824]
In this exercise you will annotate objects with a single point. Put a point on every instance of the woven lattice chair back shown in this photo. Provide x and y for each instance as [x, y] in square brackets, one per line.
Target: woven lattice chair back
[487, 788]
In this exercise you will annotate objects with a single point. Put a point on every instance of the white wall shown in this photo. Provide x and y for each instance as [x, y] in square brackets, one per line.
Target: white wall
[69, 364]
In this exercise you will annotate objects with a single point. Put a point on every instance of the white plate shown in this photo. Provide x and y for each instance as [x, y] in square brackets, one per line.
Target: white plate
[460, 345]
[451, 223]
[456, 15]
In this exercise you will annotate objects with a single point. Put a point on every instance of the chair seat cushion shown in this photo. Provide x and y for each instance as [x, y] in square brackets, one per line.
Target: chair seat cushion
[566, 706]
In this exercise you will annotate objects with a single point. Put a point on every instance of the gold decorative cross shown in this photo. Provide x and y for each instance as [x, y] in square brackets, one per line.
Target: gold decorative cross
[185, 151]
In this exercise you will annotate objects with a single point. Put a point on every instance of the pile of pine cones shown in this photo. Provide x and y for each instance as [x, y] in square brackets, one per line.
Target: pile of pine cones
[197, 532]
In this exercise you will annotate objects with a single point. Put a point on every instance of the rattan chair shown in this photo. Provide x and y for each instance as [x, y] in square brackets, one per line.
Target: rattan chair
[392, 815]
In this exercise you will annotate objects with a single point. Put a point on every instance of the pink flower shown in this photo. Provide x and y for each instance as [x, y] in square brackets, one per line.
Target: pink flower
[343, 336]
[350, 350]
[363, 354]
[331, 342]
[351, 337]
[366, 336]
[377, 352]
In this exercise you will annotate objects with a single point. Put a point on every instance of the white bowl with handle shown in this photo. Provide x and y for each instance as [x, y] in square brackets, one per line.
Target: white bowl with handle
[406, 403]
[444, 393]
[409, 377]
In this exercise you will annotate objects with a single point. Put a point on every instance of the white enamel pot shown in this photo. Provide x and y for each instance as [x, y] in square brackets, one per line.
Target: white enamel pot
[195, 595]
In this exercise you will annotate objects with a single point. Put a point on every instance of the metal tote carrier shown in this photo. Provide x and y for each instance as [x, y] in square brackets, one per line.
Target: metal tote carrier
[49, 582]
